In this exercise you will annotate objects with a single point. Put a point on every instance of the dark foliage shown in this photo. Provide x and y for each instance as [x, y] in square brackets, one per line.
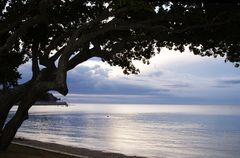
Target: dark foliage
[136, 29]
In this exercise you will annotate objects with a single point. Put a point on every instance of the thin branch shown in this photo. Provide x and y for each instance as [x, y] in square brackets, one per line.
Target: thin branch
[57, 54]
[55, 42]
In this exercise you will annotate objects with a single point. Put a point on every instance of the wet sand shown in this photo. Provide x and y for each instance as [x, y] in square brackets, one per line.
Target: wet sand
[55, 150]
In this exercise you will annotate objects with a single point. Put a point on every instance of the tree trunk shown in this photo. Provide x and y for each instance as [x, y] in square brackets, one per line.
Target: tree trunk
[8, 99]
[27, 94]
[6, 103]
[12, 126]
[3, 116]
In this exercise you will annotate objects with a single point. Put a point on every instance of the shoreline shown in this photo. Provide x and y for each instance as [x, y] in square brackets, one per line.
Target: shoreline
[68, 151]
[49, 103]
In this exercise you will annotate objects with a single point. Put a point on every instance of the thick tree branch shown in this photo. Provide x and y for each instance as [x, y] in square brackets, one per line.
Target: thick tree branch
[102, 17]
[71, 47]
[73, 40]
[35, 66]
[79, 58]
[114, 26]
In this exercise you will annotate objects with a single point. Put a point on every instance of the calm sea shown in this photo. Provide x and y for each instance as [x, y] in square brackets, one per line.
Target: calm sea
[171, 131]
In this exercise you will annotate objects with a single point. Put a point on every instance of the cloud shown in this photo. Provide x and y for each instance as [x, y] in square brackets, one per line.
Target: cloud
[230, 82]
[171, 77]
[96, 80]
[174, 78]
[179, 85]
[127, 99]
[227, 83]
[97, 84]
[26, 72]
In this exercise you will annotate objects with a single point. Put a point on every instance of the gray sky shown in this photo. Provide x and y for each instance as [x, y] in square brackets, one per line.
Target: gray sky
[171, 78]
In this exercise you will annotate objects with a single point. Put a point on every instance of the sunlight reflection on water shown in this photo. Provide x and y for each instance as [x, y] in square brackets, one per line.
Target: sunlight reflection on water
[152, 131]
[136, 108]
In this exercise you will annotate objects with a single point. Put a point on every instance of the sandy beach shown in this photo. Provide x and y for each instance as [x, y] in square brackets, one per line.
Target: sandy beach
[23, 148]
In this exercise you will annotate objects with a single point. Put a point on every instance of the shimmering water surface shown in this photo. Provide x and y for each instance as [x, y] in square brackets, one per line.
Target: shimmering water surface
[171, 131]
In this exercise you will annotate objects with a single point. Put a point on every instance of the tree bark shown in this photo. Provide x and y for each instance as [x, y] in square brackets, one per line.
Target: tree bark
[6, 103]
[8, 99]
[13, 125]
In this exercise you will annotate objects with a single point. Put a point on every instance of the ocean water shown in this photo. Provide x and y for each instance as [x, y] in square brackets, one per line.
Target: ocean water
[155, 131]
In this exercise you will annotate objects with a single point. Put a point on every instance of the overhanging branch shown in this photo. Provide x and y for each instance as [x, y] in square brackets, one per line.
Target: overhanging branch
[79, 58]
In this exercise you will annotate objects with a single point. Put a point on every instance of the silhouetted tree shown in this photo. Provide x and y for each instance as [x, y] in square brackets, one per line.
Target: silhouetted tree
[60, 34]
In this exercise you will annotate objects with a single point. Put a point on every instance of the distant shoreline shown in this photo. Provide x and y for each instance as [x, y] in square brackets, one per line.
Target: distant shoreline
[45, 103]
[65, 150]
[48, 103]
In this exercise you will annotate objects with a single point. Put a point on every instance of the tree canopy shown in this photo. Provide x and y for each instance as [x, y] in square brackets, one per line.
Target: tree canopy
[60, 34]
[117, 31]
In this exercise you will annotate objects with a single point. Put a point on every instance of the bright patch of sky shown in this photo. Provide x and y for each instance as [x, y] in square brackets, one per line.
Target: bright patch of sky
[171, 78]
